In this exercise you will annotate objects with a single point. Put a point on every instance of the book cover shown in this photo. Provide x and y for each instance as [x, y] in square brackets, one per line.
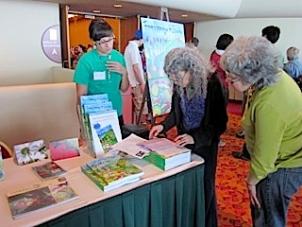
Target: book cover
[109, 134]
[106, 136]
[41, 196]
[30, 152]
[1, 166]
[62, 149]
[112, 172]
[48, 170]
[86, 99]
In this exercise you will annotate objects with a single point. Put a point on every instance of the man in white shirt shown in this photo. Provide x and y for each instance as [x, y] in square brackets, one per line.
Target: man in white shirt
[135, 72]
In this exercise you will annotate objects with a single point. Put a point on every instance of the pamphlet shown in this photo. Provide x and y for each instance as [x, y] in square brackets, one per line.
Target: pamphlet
[48, 170]
[30, 152]
[62, 149]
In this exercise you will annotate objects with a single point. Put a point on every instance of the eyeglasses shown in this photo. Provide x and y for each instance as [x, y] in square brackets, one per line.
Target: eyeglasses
[105, 40]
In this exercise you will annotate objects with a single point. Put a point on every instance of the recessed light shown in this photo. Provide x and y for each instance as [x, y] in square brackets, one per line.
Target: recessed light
[184, 15]
[96, 11]
[117, 6]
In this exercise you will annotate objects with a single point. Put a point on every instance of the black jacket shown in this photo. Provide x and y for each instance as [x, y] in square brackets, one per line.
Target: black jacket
[214, 121]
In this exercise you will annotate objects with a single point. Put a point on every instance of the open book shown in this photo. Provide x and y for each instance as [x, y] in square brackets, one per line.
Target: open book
[41, 196]
[165, 154]
[111, 172]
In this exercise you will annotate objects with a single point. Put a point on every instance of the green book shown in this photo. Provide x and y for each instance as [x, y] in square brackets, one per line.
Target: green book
[165, 154]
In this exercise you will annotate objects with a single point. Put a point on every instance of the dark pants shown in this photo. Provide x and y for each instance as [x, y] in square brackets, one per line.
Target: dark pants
[209, 154]
[274, 194]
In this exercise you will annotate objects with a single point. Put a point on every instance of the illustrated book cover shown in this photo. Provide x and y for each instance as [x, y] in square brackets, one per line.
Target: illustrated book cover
[48, 170]
[105, 131]
[62, 149]
[30, 152]
[41, 196]
[111, 172]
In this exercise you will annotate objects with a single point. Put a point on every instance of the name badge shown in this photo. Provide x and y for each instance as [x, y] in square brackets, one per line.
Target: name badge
[99, 75]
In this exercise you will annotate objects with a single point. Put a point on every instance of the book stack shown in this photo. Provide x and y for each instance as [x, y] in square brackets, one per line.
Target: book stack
[40, 196]
[111, 172]
[165, 154]
[99, 123]
[161, 152]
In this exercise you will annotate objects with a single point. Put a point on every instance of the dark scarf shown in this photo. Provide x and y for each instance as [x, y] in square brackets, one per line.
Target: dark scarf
[192, 111]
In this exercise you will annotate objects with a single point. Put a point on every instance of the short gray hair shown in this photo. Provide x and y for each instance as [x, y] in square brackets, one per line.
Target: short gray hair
[189, 60]
[292, 53]
[252, 59]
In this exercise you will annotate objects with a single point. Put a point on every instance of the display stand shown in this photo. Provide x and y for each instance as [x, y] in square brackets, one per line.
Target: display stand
[146, 96]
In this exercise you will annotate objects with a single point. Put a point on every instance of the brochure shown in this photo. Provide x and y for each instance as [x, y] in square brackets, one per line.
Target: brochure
[30, 152]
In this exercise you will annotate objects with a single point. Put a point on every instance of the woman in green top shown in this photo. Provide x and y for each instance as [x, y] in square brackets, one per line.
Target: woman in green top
[102, 70]
[273, 126]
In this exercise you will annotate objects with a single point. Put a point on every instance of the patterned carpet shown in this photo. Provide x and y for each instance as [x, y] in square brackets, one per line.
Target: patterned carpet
[232, 195]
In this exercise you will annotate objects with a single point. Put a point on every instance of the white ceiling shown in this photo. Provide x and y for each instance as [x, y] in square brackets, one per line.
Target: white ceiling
[197, 10]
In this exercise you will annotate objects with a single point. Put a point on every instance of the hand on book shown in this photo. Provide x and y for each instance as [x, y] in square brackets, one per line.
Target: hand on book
[155, 130]
[184, 139]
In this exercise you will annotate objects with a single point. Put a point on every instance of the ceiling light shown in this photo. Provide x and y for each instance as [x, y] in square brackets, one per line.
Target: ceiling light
[96, 11]
[184, 15]
[117, 6]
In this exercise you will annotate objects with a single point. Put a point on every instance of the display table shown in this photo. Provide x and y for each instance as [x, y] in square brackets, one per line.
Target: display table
[168, 199]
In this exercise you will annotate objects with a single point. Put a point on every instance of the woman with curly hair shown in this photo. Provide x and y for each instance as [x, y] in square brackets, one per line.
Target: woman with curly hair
[273, 127]
[199, 112]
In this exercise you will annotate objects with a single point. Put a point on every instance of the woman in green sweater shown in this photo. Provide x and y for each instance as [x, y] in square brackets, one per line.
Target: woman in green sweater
[273, 127]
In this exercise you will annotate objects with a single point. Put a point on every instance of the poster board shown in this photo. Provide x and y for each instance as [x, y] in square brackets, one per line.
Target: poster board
[159, 38]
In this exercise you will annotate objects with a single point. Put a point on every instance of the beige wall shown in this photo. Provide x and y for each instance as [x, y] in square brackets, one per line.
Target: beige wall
[21, 57]
[208, 32]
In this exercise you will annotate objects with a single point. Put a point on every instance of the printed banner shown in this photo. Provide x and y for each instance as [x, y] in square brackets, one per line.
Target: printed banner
[159, 38]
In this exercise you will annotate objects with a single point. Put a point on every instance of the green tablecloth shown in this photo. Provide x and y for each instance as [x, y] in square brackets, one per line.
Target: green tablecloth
[177, 201]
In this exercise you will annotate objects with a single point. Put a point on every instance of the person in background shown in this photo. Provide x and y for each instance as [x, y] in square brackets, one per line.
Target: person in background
[272, 124]
[102, 70]
[272, 34]
[294, 66]
[199, 113]
[223, 42]
[194, 42]
[136, 73]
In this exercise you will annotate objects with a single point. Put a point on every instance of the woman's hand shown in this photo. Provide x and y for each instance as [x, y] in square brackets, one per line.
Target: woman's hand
[155, 130]
[114, 66]
[253, 195]
[184, 139]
